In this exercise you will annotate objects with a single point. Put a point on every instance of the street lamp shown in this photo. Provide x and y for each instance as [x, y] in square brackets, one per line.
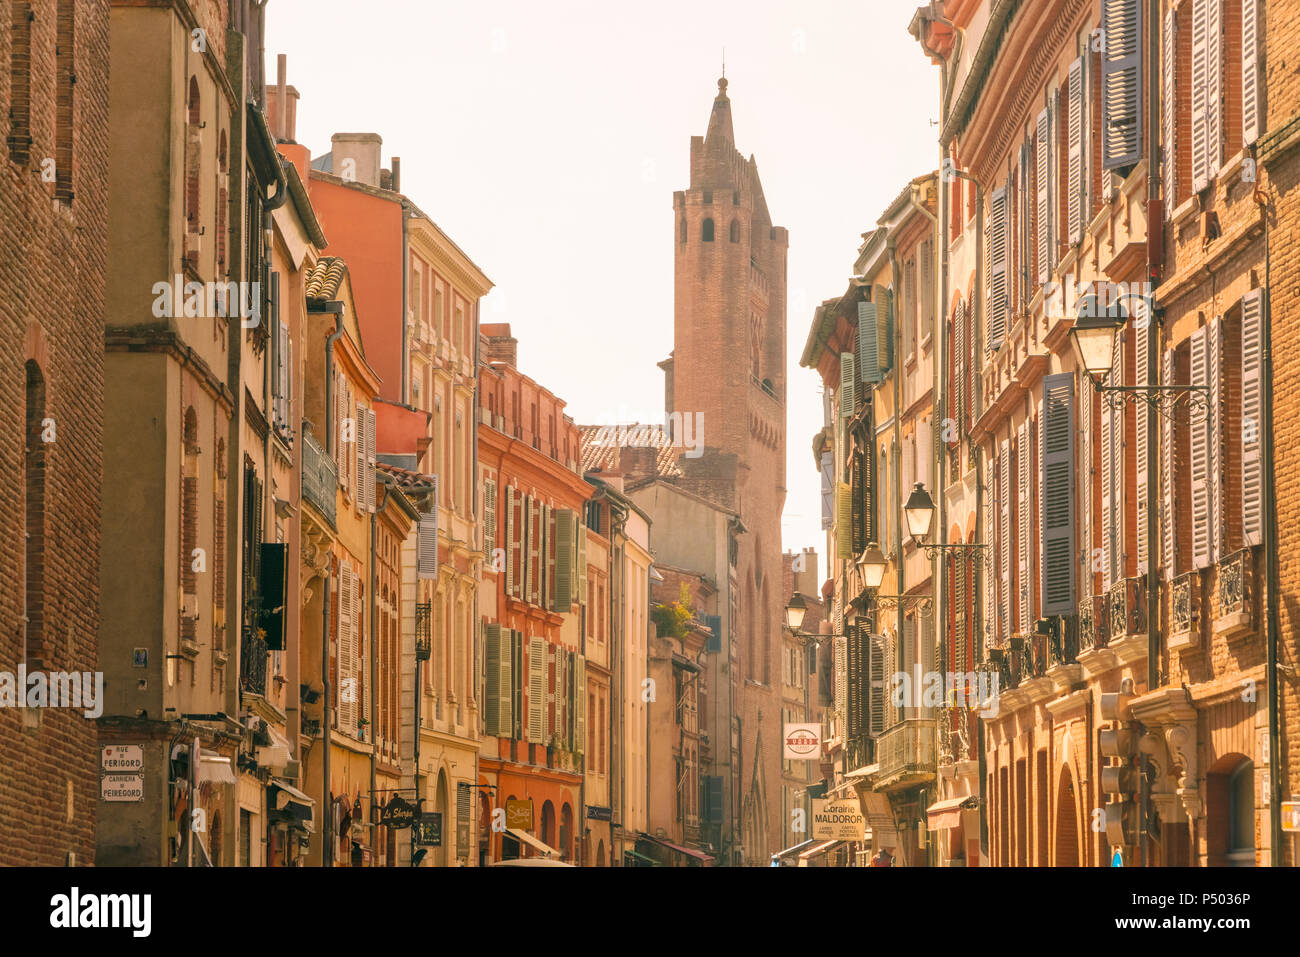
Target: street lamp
[873, 563]
[919, 510]
[794, 612]
[1093, 335]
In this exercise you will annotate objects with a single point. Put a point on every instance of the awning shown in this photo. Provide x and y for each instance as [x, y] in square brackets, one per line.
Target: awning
[523, 837]
[864, 772]
[214, 769]
[796, 849]
[688, 851]
[947, 813]
[290, 803]
[819, 849]
[276, 754]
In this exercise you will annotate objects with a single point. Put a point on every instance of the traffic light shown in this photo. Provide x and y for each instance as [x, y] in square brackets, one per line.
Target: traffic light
[1120, 778]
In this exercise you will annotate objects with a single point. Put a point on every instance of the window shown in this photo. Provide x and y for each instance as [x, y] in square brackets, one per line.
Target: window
[189, 524]
[223, 200]
[34, 502]
[1241, 814]
[708, 230]
[682, 232]
[193, 158]
[63, 100]
[20, 81]
[735, 231]
[708, 197]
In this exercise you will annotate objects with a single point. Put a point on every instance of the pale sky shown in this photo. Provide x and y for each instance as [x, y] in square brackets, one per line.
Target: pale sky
[547, 138]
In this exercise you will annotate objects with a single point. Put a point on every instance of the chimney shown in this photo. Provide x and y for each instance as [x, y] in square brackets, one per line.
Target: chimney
[637, 461]
[498, 344]
[356, 157]
[397, 174]
[282, 105]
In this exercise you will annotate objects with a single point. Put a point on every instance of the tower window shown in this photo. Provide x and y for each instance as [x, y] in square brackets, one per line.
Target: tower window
[19, 140]
[66, 77]
[34, 502]
[708, 230]
[682, 240]
[735, 198]
[735, 231]
[708, 197]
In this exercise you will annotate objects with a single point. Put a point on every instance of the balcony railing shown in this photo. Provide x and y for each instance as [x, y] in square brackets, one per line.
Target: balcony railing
[1185, 610]
[906, 749]
[423, 630]
[1128, 607]
[1063, 648]
[252, 664]
[320, 479]
[1236, 594]
[1094, 622]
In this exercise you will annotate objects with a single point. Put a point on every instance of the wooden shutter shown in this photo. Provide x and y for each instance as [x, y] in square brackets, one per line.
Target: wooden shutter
[489, 519]
[492, 680]
[505, 682]
[537, 678]
[427, 546]
[579, 704]
[926, 297]
[1077, 198]
[1200, 454]
[347, 632]
[1252, 476]
[843, 520]
[1141, 340]
[510, 540]
[869, 366]
[1218, 458]
[565, 522]
[359, 449]
[828, 489]
[371, 461]
[997, 259]
[1206, 70]
[1004, 538]
[848, 385]
[877, 685]
[281, 406]
[1252, 80]
[883, 298]
[1170, 137]
[548, 596]
[1057, 530]
[1024, 567]
[1121, 80]
[1042, 173]
[957, 384]
[1168, 516]
[961, 617]
[527, 550]
[581, 596]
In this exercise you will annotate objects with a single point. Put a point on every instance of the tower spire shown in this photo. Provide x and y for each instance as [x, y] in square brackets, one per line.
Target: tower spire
[720, 118]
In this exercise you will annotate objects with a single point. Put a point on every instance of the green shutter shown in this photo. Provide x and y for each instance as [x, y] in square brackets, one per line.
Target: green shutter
[869, 365]
[565, 522]
[848, 385]
[884, 301]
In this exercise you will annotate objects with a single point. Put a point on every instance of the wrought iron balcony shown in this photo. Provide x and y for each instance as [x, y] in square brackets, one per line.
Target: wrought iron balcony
[1236, 594]
[1127, 602]
[310, 727]
[320, 479]
[1063, 646]
[253, 655]
[423, 630]
[1185, 610]
[906, 751]
[1094, 623]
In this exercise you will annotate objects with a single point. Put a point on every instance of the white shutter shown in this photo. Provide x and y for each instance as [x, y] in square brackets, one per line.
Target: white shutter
[427, 546]
[1141, 333]
[1214, 87]
[1200, 455]
[506, 684]
[1023, 518]
[282, 377]
[1122, 82]
[1169, 113]
[371, 461]
[1169, 517]
[348, 692]
[1074, 173]
[1206, 71]
[1252, 80]
[581, 591]
[1042, 173]
[1004, 537]
[828, 489]
[580, 704]
[848, 385]
[510, 540]
[536, 690]
[359, 447]
[1214, 353]
[1252, 476]
[489, 518]
[1087, 436]
[997, 260]
[1107, 495]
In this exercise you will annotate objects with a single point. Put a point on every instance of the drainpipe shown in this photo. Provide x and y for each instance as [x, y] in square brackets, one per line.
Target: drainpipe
[406, 281]
[334, 308]
[327, 805]
[1272, 624]
[895, 278]
[374, 670]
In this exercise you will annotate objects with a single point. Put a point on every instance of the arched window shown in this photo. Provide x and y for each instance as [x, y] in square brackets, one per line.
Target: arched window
[19, 140]
[735, 231]
[708, 230]
[66, 79]
[219, 549]
[1241, 814]
[189, 526]
[682, 238]
[193, 167]
[548, 824]
[223, 200]
[34, 556]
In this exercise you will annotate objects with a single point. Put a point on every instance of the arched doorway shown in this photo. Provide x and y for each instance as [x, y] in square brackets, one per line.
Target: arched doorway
[548, 824]
[1230, 812]
[600, 853]
[484, 828]
[440, 805]
[566, 833]
[1067, 823]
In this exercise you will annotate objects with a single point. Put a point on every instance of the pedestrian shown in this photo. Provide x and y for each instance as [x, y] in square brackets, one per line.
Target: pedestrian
[883, 858]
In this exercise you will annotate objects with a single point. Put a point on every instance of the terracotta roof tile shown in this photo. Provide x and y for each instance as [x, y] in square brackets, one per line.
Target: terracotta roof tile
[601, 451]
[326, 277]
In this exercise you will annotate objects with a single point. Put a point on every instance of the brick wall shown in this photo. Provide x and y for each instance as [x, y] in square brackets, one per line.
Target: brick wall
[52, 264]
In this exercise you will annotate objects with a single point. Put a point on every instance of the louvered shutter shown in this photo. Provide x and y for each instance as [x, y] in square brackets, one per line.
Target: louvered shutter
[1200, 454]
[565, 520]
[848, 385]
[505, 680]
[1088, 428]
[989, 582]
[464, 808]
[1170, 517]
[996, 256]
[281, 372]
[883, 298]
[1121, 79]
[372, 462]
[843, 521]
[1169, 112]
[1023, 519]
[489, 519]
[1252, 80]
[1074, 171]
[427, 546]
[1004, 538]
[492, 682]
[1042, 172]
[546, 594]
[537, 678]
[958, 384]
[359, 448]
[1141, 334]
[878, 686]
[909, 660]
[841, 690]
[892, 714]
[868, 492]
[1206, 123]
[348, 691]
[1056, 493]
[828, 489]
[581, 596]
[1252, 475]
[1217, 461]
[528, 550]
[869, 365]
[580, 704]
[926, 297]
[858, 502]
[510, 540]
[961, 617]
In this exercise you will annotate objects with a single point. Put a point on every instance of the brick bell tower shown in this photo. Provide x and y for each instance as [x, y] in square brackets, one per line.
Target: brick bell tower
[728, 373]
